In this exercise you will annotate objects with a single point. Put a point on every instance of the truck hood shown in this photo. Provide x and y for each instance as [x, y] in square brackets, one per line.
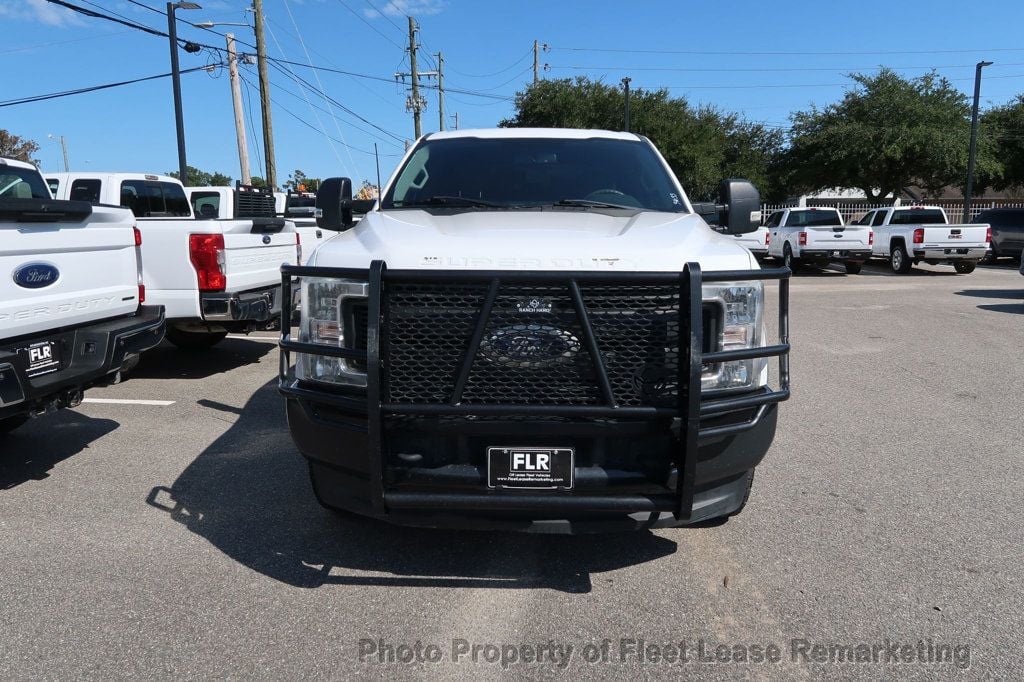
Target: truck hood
[533, 240]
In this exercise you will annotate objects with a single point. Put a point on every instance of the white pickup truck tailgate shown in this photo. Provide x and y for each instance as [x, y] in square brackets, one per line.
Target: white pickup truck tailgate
[252, 261]
[948, 236]
[91, 261]
[837, 237]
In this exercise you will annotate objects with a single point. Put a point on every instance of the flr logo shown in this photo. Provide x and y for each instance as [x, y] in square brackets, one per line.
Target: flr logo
[40, 354]
[531, 461]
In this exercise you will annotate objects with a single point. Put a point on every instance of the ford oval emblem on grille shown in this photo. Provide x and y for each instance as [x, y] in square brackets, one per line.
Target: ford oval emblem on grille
[529, 346]
[266, 239]
[36, 275]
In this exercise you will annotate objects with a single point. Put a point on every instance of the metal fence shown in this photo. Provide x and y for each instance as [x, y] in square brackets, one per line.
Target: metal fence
[853, 210]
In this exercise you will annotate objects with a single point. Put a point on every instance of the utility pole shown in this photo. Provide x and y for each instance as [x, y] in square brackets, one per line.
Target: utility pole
[973, 149]
[261, 66]
[236, 101]
[179, 123]
[414, 102]
[415, 77]
[625, 85]
[440, 91]
[63, 148]
[536, 62]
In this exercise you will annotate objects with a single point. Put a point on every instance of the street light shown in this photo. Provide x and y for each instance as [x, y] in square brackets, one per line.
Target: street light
[176, 83]
[972, 150]
[63, 147]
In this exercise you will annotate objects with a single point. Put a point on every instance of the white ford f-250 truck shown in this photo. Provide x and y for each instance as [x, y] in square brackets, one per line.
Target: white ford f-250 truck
[71, 313]
[817, 236]
[212, 276]
[908, 235]
[534, 329]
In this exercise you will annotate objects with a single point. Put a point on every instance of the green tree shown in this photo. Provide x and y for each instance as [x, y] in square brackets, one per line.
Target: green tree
[297, 179]
[1001, 135]
[201, 178]
[887, 133]
[257, 181]
[702, 145]
[14, 147]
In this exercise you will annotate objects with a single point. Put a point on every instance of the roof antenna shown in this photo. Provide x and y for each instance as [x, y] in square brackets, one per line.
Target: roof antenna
[377, 156]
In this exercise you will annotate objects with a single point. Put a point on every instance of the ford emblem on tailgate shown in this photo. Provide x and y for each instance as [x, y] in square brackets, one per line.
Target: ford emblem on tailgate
[36, 275]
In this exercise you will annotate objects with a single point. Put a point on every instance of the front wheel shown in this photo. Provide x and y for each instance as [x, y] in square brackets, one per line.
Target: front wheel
[853, 268]
[965, 267]
[899, 260]
[194, 340]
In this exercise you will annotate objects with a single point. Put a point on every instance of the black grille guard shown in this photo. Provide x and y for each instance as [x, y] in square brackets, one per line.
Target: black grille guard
[689, 410]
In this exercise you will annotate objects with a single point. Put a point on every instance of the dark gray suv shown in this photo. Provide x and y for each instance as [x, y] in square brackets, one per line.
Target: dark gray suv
[1007, 231]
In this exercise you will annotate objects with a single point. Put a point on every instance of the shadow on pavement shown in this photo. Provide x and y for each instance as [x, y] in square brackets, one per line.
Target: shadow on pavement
[1015, 309]
[1015, 294]
[167, 361]
[30, 451]
[249, 495]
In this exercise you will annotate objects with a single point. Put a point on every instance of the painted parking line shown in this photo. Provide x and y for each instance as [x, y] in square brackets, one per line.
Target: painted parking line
[123, 401]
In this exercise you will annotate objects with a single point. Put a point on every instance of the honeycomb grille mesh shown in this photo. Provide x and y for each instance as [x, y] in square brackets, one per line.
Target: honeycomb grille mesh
[533, 350]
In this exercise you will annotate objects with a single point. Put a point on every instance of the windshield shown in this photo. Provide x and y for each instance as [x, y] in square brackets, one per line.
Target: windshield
[470, 172]
[813, 218]
[917, 216]
[22, 183]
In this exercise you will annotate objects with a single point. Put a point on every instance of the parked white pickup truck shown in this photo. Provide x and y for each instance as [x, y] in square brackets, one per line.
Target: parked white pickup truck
[817, 236]
[513, 339]
[908, 235]
[212, 276]
[71, 313]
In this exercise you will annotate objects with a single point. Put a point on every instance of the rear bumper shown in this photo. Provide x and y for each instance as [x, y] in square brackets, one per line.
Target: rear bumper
[455, 495]
[91, 354]
[951, 252]
[255, 305]
[836, 254]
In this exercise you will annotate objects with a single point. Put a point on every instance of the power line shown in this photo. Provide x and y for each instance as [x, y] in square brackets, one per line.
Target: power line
[91, 88]
[784, 53]
[252, 126]
[372, 27]
[388, 18]
[496, 73]
[772, 69]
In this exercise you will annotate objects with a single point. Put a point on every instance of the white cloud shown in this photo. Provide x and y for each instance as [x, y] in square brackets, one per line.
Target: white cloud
[38, 10]
[407, 8]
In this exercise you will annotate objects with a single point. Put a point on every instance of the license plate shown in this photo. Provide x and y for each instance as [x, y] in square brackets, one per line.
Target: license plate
[529, 468]
[43, 358]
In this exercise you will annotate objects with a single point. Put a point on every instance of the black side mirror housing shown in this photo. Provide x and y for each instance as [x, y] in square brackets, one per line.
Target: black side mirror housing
[741, 212]
[334, 204]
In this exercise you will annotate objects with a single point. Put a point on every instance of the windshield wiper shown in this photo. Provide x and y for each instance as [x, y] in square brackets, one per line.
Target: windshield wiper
[593, 204]
[446, 200]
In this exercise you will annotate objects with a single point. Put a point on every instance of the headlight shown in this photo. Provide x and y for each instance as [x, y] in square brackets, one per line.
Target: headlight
[740, 325]
[321, 322]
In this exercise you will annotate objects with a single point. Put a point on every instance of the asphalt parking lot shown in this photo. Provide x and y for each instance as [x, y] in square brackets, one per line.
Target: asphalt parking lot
[180, 537]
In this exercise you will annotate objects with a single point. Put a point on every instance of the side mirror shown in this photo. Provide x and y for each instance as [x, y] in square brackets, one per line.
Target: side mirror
[742, 210]
[334, 204]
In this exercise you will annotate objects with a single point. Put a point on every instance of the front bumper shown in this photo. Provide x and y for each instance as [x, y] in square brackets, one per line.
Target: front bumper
[836, 254]
[950, 253]
[423, 463]
[255, 305]
[90, 354]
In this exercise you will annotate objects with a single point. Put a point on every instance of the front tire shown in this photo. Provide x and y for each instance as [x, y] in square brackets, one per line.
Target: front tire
[194, 340]
[853, 268]
[965, 267]
[899, 260]
[8, 424]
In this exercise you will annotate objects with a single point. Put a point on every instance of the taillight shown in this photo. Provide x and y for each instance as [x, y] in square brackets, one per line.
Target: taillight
[803, 239]
[142, 294]
[298, 249]
[919, 235]
[206, 252]
[871, 238]
[767, 238]
[988, 235]
[138, 236]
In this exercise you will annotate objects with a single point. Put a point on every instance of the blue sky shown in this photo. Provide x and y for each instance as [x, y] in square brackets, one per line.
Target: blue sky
[487, 51]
